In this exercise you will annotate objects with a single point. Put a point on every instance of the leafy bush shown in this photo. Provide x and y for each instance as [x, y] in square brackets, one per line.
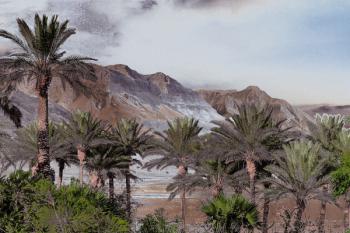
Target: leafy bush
[229, 215]
[157, 223]
[341, 176]
[36, 205]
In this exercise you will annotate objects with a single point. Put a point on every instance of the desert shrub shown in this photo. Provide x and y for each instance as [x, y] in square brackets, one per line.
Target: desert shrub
[230, 214]
[36, 205]
[157, 223]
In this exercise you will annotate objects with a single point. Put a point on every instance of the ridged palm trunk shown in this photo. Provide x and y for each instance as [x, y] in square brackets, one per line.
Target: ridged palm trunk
[111, 185]
[96, 179]
[298, 223]
[128, 192]
[251, 169]
[266, 210]
[43, 157]
[81, 156]
[182, 171]
[322, 212]
[216, 191]
[61, 165]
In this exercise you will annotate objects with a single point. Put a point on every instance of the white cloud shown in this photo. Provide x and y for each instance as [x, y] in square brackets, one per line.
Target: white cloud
[278, 45]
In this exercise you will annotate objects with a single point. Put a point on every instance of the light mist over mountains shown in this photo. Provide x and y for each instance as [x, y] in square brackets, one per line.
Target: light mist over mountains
[296, 50]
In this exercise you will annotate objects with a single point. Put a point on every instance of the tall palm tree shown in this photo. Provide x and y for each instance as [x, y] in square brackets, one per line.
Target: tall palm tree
[229, 215]
[299, 172]
[83, 132]
[177, 146]
[132, 139]
[26, 143]
[327, 131]
[41, 59]
[250, 135]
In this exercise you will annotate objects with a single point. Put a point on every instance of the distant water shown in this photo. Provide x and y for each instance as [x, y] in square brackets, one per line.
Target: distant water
[151, 184]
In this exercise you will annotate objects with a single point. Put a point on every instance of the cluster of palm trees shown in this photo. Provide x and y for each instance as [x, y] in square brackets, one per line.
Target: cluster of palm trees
[252, 154]
[249, 152]
[105, 151]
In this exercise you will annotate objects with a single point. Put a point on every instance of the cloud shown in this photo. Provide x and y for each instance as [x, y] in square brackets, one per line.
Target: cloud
[285, 47]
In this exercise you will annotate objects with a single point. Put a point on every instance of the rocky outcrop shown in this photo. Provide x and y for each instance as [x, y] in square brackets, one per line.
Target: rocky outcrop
[226, 102]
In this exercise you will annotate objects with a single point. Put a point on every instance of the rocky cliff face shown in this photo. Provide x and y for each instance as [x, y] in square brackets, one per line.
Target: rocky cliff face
[121, 92]
[226, 102]
[312, 110]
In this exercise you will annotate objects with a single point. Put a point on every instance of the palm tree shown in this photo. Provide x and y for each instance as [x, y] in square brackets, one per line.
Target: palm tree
[327, 131]
[250, 135]
[132, 139]
[229, 215]
[83, 132]
[299, 172]
[41, 59]
[211, 171]
[105, 161]
[177, 146]
[25, 142]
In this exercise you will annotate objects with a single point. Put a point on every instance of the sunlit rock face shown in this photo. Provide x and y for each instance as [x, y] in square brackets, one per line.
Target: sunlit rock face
[121, 92]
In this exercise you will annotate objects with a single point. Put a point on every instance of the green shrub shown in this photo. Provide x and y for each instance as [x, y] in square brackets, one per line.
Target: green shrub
[230, 214]
[36, 205]
[157, 223]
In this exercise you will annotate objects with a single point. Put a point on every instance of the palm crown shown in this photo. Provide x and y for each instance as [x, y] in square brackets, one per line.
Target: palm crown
[176, 145]
[40, 56]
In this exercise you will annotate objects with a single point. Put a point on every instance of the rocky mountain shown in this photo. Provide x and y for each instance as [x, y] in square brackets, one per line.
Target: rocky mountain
[226, 102]
[312, 110]
[120, 92]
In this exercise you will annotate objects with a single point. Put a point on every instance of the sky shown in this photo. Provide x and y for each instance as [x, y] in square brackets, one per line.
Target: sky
[296, 50]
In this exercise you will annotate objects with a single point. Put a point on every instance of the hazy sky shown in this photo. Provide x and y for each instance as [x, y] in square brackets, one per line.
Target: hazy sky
[298, 50]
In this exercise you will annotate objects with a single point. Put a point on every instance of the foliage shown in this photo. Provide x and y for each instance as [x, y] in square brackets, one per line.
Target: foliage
[251, 129]
[83, 130]
[229, 215]
[341, 176]
[301, 163]
[35, 205]
[157, 223]
[40, 56]
[327, 130]
[176, 145]
[131, 138]
[25, 144]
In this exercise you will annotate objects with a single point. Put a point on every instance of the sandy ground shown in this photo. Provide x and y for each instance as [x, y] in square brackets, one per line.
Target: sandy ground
[334, 215]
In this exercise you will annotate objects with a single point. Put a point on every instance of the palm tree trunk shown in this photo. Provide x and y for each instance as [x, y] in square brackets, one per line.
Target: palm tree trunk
[322, 212]
[251, 169]
[128, 193]
[96, 179]
[182, 171]
[298, 224]
[81, 157]
[266, 210]
[111, 186]
[216, 191]
[61, 165]
[43, 157]
[183, 210]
